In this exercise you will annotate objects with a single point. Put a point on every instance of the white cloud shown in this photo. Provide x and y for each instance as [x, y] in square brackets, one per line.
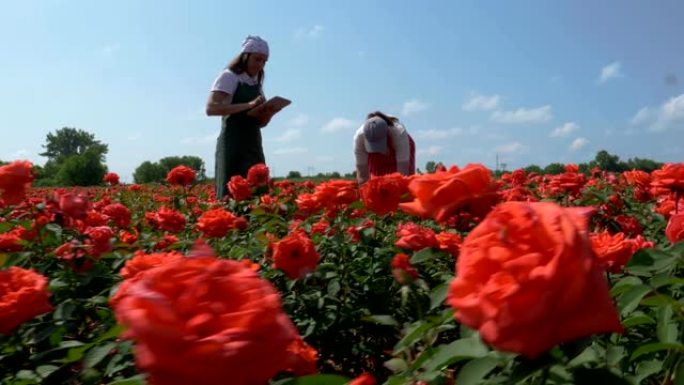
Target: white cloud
[644, 115]
[299, 120]
[338, 124]
[439, 134]
[578, 144]
[564, 130]
[668, 116]
[430, 151]
[413, 106]
[309, 32]
[290, 151]
[524, 115]
[481, 103]
[611, 71]
[289, 135]
[513, 147]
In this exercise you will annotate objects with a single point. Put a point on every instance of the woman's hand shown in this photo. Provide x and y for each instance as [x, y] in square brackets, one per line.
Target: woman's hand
[258, 100]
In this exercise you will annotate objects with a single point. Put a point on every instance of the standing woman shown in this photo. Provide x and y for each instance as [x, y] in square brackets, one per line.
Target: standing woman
[234, 92]
[383, 146]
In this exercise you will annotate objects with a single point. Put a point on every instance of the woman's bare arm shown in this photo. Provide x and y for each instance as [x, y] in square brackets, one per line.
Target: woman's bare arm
[217, 107]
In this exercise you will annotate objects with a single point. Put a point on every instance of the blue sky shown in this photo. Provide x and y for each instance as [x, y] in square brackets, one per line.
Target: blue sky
[534, 81]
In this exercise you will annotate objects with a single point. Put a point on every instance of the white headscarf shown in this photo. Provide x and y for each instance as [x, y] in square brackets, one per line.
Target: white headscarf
[254, 44]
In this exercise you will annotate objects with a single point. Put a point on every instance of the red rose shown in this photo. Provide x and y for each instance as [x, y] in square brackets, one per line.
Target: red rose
[441, 194]
[613, 251]
[402, 270]
[669, 177]
[118, 213]
[302, 358]
[239, 188]
[15, 178]
[529, 280]
[675, 228]
[415, 237]
[216, 223]
[257, 175]
[111, 178]
[23, 295]
[167, 219]
[204, 321]
[382, 194]
[142, 262]
[181, 175]
[295, 255]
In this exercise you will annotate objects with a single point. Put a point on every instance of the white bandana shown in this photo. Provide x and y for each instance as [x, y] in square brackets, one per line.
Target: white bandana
[254, 44]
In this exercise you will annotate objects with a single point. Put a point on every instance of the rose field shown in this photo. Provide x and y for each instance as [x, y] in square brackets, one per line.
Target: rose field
[451, 277]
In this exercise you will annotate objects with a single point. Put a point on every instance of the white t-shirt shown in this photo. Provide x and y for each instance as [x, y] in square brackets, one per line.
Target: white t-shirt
[400, 140]
[228, 82]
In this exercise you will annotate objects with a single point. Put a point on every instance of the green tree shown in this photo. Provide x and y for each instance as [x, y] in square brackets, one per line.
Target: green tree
[149, 172]
[84, 169]
[88, 157]
[430, 166]
[68, 141]
[534, 168]
[554, 168]
[294, 175]
[607, 162]
[647, 165]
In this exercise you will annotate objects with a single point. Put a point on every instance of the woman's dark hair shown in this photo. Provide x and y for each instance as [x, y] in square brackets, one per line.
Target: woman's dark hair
[390, 120]
[239, 65]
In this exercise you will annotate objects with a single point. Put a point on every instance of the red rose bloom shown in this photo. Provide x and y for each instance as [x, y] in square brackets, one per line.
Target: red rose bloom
[181, 176]
[402, 270]
[675, 228]
[111, 178]
[257, 175]
[295, 255]
[204, 321]
[23, 295]
[528, 279]
[239, 188]
[15, 179]
[216, 223]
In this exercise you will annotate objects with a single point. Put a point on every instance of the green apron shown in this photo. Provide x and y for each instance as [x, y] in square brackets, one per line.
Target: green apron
[239, 145]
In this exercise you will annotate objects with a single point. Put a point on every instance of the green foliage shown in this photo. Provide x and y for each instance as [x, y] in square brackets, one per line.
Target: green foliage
[67, 142]
[554, 168]
[294, 174]
[430, 166]
[75, 158]
[81, 170]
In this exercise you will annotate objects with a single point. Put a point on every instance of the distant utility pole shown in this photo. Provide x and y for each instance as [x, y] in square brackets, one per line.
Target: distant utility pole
[497, 162]
[310, 170]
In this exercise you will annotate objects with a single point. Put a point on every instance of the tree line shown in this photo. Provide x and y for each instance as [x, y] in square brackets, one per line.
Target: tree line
[76, 158]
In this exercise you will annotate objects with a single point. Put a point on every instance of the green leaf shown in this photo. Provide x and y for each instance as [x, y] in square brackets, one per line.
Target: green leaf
[458, 350]
[655, 347]
[396, 365]
[588, 355]
[636, 320]
[647, 368]
[423, 255]
[666, 330]
[413, 334]
[382, 320]
[630, 300]
[96, 354]
[438, 295]
[45, 370]
[475, 370]
[585, 376]
[624, 284]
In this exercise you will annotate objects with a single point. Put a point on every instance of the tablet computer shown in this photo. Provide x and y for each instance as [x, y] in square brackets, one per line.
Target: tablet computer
[271, 106]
